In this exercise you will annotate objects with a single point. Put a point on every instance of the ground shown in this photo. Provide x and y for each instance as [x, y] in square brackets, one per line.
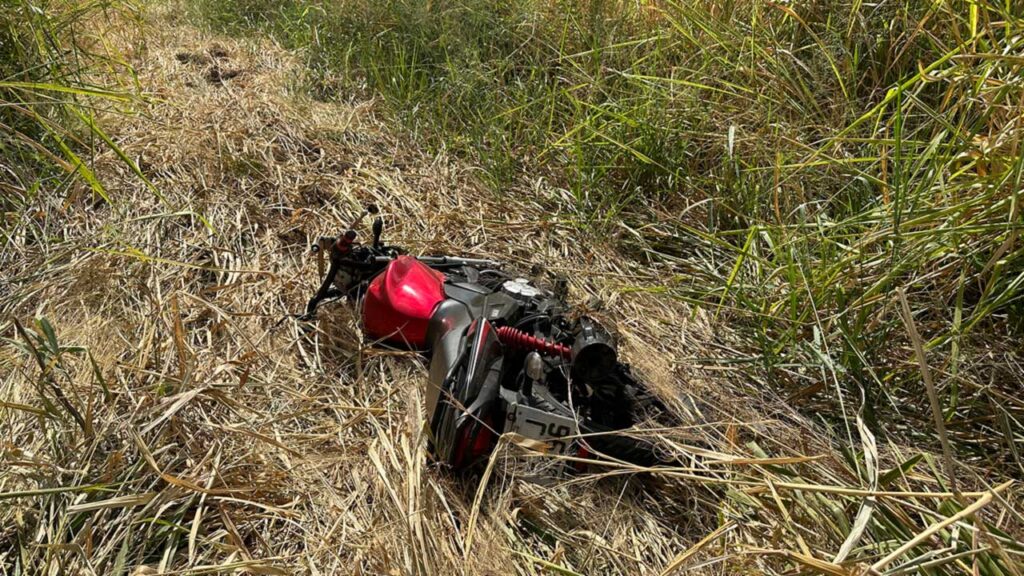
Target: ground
[198, 426]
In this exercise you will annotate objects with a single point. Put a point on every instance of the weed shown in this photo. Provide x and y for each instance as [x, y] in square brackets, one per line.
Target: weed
[793, 165]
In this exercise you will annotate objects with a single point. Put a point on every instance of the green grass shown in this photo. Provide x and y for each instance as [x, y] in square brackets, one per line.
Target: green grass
[50, 52]
[790, 167]
[793, 164]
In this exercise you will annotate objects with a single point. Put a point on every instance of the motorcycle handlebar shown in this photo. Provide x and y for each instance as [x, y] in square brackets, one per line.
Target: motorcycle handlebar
[444, 261]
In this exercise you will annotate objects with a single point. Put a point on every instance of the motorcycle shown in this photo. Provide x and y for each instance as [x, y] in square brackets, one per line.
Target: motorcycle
[505, 353]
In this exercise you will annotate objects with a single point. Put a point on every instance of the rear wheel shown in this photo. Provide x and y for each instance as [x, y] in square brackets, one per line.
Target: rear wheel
[614, 443]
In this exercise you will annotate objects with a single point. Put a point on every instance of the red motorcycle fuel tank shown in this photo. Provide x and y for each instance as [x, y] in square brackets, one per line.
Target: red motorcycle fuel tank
[400, 300]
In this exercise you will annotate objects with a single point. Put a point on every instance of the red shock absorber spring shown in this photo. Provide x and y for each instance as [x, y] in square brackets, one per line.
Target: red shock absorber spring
[514, 338]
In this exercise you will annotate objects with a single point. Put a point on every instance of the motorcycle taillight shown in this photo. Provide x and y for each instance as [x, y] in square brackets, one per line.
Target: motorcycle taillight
[583, 453]
[476, 440]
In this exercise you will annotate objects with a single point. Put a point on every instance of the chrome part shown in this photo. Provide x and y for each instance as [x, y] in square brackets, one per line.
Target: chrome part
[534, 366]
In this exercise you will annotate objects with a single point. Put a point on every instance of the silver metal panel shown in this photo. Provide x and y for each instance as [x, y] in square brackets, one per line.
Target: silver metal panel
[556, 430]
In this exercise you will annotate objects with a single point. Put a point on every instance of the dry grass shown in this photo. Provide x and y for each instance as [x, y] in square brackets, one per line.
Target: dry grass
[177, 418]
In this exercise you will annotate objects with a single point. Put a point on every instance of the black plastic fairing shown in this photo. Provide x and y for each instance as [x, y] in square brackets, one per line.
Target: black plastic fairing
[445, 334]
[464, 381]
[478, 390]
